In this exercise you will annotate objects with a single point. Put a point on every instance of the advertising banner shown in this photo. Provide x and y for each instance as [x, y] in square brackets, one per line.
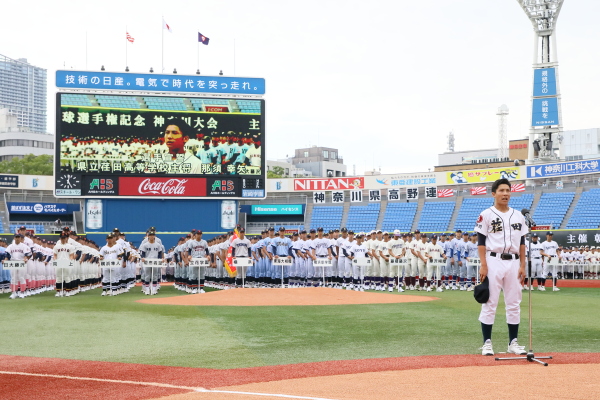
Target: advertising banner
[277, 209]
[158, 82]
[345, 183]
[482, 175]
[564, 168]
[41, 208]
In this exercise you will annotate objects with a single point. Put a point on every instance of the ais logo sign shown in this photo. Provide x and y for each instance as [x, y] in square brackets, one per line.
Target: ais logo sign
[102, 184]
[223, 187]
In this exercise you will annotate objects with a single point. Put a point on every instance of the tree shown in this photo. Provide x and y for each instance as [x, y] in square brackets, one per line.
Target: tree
[29, 165]
[276, 172]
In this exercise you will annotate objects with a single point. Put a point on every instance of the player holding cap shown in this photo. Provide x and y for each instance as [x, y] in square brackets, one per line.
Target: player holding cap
[535, 247]
[501, 244]
[550, 261]
[434, 251]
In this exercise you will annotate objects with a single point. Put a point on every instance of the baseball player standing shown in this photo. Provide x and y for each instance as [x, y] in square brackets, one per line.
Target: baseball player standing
[536, 263]
[551, 261]
[501, 245]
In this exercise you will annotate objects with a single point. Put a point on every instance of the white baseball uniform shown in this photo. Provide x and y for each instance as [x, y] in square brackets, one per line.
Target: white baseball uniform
[504, 232]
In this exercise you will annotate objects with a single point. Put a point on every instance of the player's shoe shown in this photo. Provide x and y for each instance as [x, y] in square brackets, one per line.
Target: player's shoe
[390, 289]
[454, 287]
[411, 287]
[525, 287]
[57, 294]
[104, 293]
[13, 295]
[514, 348]
[555, 289]
[542, 288]
[447, 287]
[486, 349]
[201, 291]
[428, 289]
[400, 290]
[462, 288]
[21, 295]
[439, 289]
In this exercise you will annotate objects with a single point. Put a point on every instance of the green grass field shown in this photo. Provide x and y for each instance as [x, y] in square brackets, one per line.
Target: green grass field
[91, 327]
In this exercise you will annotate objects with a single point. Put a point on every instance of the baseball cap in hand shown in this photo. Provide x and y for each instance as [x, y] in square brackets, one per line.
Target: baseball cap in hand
[482, 291]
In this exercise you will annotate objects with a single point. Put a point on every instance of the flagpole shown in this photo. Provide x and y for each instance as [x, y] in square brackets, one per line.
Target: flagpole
[162, 52]
[86, 53]
[234, 56]
[126, 40]
[198, 49]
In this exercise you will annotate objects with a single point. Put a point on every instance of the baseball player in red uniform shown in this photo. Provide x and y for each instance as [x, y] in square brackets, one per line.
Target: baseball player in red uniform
[501, 245]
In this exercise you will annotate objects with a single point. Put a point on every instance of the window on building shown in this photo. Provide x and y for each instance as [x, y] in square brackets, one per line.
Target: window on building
[325, 154]
[306, 154]
[333, 155]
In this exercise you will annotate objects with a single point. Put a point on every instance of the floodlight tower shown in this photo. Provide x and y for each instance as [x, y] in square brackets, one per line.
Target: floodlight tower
[546, 117]
[502, 132]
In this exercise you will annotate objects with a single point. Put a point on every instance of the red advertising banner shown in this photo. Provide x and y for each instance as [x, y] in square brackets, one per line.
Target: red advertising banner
[163, 186]
[346, 183]
[475, 191]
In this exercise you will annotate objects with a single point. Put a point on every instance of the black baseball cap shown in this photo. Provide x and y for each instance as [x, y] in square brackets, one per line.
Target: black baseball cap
[271, 229]
[295, 234]
[434, 237]
[535, 235]
[452, 234]
[444, 234]
[241, 230]
[417, 231]
[313, 231]
[303, 231]
[22, 227]
[550, 233]
[350, 232]
[282, 228]
[344, 229]
[320, 229]
[482, 291]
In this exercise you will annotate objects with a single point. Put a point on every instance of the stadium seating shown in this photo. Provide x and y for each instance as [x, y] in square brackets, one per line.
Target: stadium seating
[586, 214]
[363, 218]
[165, 103]
[552, 208]
[326, 217]
[249, 106]
[289, 227]
[67, 99]
[399, 216]
[39, 228]
[117, 101]
[436, 216]
[472, 207]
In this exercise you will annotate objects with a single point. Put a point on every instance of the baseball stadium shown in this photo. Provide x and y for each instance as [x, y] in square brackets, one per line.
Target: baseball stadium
[167, 258]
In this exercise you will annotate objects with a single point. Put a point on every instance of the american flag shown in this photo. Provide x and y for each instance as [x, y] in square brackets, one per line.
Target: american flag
[478, 190]
[517, 187]
[445, 192]
[129, 37]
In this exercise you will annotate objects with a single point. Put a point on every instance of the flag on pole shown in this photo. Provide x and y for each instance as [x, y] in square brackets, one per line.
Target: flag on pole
[166, 26]
[129, 37]
[203, 39]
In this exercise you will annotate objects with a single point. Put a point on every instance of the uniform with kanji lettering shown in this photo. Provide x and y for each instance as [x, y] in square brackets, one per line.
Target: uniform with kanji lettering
[503, 233]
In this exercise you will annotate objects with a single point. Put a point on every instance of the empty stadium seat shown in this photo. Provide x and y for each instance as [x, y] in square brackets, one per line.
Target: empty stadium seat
[399, 216]
[586, 214]
[363, 218]
[326, 217]
[552, 208]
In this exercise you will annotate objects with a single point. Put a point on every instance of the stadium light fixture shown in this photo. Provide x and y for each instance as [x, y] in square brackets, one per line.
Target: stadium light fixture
[151, 70]
[174, 70]
[542, 14]
[221, 72]
[102, 68]
[198, 72]
[127, 69]
[536, 145]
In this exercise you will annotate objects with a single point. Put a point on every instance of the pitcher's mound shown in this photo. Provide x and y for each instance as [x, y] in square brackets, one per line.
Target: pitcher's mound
[286, 297]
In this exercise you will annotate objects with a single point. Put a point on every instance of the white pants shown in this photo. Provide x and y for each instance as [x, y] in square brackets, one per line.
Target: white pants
[502, 275]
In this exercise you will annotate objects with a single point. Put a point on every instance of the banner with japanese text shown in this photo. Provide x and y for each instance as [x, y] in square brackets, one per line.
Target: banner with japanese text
[482, 175]
[107, 137]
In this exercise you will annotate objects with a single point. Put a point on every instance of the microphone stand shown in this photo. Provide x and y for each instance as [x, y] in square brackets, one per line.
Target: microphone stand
[530, 355]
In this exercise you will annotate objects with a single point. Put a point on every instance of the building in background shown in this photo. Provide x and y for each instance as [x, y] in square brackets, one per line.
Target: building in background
[18, 141]
[320, 161]
[579, 144]
[474, 159]
[23, 92]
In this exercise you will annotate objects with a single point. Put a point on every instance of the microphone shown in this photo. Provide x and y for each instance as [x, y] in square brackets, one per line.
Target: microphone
[528, 218]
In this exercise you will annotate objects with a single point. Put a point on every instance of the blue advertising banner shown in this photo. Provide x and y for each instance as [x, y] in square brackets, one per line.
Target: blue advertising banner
[42, 208]
[545, 112]
[544, 82]
[158, 82]
[277, 209]
[9, 181]
[565, 168]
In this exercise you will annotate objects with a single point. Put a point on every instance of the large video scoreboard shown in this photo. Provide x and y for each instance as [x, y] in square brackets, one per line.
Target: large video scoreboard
[170, 145]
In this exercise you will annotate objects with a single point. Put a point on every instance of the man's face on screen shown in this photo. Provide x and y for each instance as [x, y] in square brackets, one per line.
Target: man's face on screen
[174, 139]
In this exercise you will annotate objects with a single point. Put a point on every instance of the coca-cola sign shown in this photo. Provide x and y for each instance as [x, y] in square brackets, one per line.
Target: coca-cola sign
[162, 187]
